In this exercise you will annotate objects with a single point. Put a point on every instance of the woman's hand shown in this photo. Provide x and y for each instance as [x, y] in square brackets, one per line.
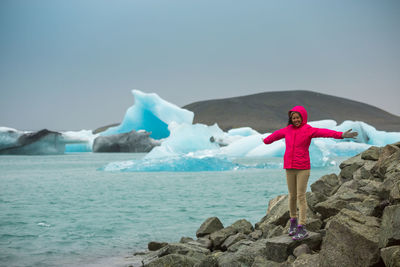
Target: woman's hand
[349, 134]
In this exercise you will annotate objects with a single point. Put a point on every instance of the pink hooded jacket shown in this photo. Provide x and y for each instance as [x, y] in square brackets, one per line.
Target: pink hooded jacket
[298, 140]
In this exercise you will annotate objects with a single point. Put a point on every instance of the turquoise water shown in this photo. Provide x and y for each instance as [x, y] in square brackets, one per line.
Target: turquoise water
[63, 211]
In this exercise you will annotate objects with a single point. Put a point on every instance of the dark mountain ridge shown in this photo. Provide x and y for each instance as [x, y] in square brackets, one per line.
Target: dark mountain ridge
[266, 112]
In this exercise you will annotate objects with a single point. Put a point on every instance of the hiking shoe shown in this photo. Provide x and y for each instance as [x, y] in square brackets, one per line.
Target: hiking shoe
[293, 226]
[301, 233]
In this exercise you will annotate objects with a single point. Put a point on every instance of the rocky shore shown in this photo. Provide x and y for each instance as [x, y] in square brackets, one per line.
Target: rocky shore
[353, 220]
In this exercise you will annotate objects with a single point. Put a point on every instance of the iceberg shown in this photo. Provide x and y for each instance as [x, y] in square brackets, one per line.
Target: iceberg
[187, 138]
[183, 163]
[152, 114]
[43, 142]
[79, 141]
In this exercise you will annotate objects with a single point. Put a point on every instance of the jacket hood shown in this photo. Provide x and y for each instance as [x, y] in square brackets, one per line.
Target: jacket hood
[302, 111]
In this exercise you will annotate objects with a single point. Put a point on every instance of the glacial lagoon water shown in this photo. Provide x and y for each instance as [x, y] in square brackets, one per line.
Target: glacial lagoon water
[65, 211]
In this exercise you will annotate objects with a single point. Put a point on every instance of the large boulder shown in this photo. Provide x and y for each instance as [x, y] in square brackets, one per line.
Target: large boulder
[325, 186]
[371, 153]
[390, 228]
[132, 141]
[240, 226]
[174, 260]
[347, 193]
[245, 254]
[352, 239]
[280, 247]
[278, 213]
[391, 187]
[209, 226]
[389, 157]
[307, 260]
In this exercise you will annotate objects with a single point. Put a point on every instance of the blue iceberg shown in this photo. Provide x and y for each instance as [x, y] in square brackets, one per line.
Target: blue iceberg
[184, 163]
[152, 114]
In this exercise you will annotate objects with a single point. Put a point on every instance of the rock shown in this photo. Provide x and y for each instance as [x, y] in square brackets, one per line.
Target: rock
[243, 226]
[209, 261]
[364, 172]
[346, 194]
[302, 249]
[371, 153]
[385, 159]
[390, 227]
[204, 242]
[271, 230]
[240, 226]
[173, 260]
[209, 226]
[313, 199]
[220, 236]
[189, 250]
[326, 185]
[357, 160]
[351, 240]
[307, 260]
[374, 188]
[244, 256]
[153, 246]
[369, 207]
[347, 173]
[260, 261]
[232, 240]
[256, 234]
[278, 214]
[132, 141]
[391, 187]
[186, 239]
[235, 247]
[280, 247]
[275, 201]
[391, 256]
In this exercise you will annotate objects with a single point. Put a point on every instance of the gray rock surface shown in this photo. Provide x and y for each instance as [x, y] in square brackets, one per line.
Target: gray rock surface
[351, 240]
[281, 246]
[153, 246]
[391, 256]
[302, 249]
[125, 142]
[209, 226]
[390, 228]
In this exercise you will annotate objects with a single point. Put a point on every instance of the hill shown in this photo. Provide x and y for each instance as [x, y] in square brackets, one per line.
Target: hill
[266, 112]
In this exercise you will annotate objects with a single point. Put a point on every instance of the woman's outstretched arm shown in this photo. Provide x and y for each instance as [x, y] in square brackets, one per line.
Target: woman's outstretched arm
[320, 132]
[275, 136]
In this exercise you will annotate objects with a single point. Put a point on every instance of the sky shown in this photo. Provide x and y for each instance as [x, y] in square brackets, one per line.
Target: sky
[71, 65]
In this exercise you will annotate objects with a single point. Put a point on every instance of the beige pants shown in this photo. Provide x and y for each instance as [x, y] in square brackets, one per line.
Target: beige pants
[297, 186]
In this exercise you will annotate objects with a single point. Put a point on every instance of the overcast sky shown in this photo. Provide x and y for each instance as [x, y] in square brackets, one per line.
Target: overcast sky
[71, 65]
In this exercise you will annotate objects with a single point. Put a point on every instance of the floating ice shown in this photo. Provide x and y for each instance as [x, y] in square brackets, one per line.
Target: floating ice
[183, 163]
[9, 137]
[42, 142]
[151, 113]
[187, 138]
[243, 131]
[79, 141]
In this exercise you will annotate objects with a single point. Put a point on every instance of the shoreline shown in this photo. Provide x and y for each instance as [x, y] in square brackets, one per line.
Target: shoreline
[364, 195]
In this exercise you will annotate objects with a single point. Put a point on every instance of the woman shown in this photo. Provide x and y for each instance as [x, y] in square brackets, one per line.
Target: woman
[296, 161]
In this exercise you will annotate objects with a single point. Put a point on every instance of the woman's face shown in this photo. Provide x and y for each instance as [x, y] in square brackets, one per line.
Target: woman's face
[296, 119]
